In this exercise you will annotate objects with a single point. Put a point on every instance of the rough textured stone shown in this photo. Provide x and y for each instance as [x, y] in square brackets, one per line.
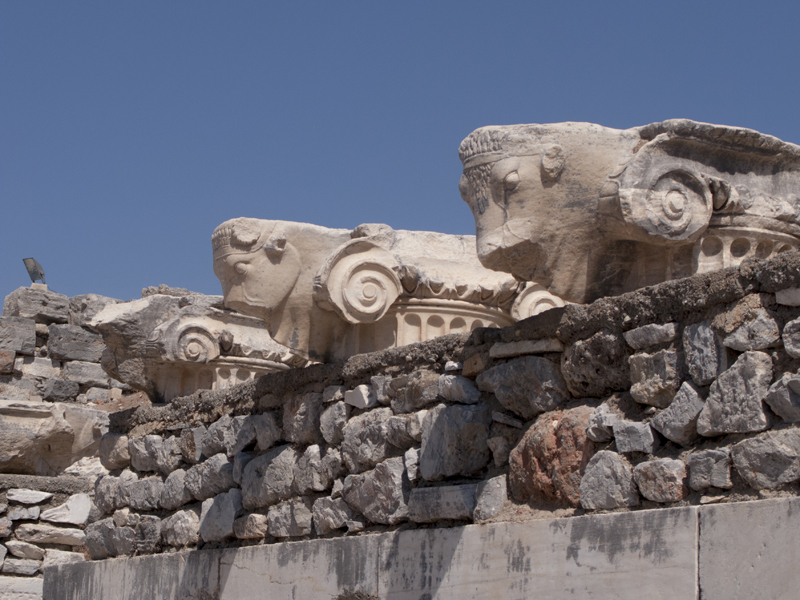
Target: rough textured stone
[768, 460]
[365, 440]
[784, 397]
[381, 495]
[631, 436]
[47, 534]
[490, 497]
[168, 455]
[791, 338]
[145, 494]
[456, 388]
[333, 393]
[70, 342]
[427, 505]
[252, 526]
[25, 496]
[655, 377]
[210, 478]
[5, 527]
[454, 441]
[703, 352]
[268, 432]
[661, 480]
[37, 368]
[526, 386]
[500, 448]
[181, 529]
[315, 470]
[24, 513]
[86, 373]
[269, 478]
[549, 460]
[239, 463]
[734, 403]
[597, 366]
[74, 511]
[7, 359]
[678, 422]
[24, 550]
[520, 348]
[148, 534]
[710, 468]
[414, 391]
[301, 419]
[218, 515]
[290, 519]
[98, 538]
[191, 444]
[59, 557]
[20, 566]
[123, 541]
[175, 494]
[213, 441]
[411, 462]
[380, 387]
[608, 483]
[143, 452]
[601, 424]
[18, 335]
[332, 422]
[60, 390]
[84, 307]
[759, 330]
[651, 335]
[330, 514]
[403, 431]
[113, 492]
[114, 451]
[362, 396]
[41, 305]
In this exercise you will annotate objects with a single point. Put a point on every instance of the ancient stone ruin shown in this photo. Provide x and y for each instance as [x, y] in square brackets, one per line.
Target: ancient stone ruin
[606, 407]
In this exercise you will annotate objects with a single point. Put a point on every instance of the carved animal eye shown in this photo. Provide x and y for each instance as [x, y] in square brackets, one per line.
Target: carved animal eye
[511, 181]
[241, 268]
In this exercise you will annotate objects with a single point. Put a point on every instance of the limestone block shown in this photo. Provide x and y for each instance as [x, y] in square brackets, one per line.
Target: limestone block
[21, 588]
[509, 349]
[143, 452]
[427, 505]
[403, 431]
[37, 368]
[365, 440]
[47, 534]
[24, 550]
[181, 529]
[601, 424]
[27, 513]
[167, 454]
[758, 331]
[269, 478]
[608, 483]
[244, 429]
[597, 366]
[145, 494]
[268, 431]
[710, 468]
[113, 492]
[18, 335]
[526, 386]
[791, 338]
[330, 514]
[59, 557]
[489, 498]
[784, 397]
[191, 444]
[768, 460]
[655, 377]
[74, 511]
[70, 342]
[123, 541]
[86, 373]
[60, 390]
[454, 441]
[239, 463]
[175, 494]
[456, 388]
[21, 566]
[678, 422]
[252, 526]
[25, 496]
[412, 392]
[703, 352]
[301, 419]
[315, 470]
[653, 334]
[218, 515]
[41, 305]
[290, 519]
[99, 540]
[210, 478]
[214, 440]
[363, 396]
[380, 387]
[734, 403]
[114, 452]
[500, 448]
[381, 495]
[148, 534]
[333, 393]
[661, 480]
[332, 422]
[7, 359]
[411, 462]
[631, 436]
[549, 460]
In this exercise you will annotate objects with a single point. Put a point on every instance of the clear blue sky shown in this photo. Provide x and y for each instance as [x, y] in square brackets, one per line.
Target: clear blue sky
[129, 130]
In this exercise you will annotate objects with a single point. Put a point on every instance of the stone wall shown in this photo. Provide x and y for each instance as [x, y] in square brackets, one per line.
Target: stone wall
[675, 395]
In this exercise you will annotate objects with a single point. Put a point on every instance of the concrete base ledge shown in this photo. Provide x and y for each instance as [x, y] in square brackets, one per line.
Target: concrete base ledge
[675, 553]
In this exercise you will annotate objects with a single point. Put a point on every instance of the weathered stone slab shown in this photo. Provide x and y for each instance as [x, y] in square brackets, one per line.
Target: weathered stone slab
[758, 331]
[509, 349]
[74, 511]
[34, 367]
[210, 478]
[330, 514]
[86, 373]
[60, 390]
[362, 396]
[427, 505]
[269, 478]
[18, 335]
[70, 342]
[624, 556]
[218, 514]
[597, 366]
[784, 397]
[655, 377]
[381, 495]
[290, 519]
[332, 422]
[301, 419]
[632, 436]
[678, 422]
[703, 351]
[365, 440]
[24, 496]
[770, 459]
[710, 468]
[252, 526]
[21, 566]
[181, 529]
[650, 335]
[457, 388]
[84, 307]
[454, 441]
[749, 550]
[21, 588]
[41, 305]
[608, 483]
[414, 391]
[47, 534]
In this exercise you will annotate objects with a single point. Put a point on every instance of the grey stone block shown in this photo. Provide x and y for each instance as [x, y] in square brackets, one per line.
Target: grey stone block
[252, 526]
[86, 373]
[316, 469]
[631, 436]
[269, 478]
[454, 441]
[650, 335]
[175, 494]
[757, 332]
[784, 397]
[710, 468]
[70, 342]
[330, 514]
[145, 494]
[412, 392]
[791, 338]
[21, 566]
[60, 390]
[290, 519]
[655, 377]
[661, 480]
[218, 515]
[768, 460]
[381, 495]
[365, 440]
[181, 529]
[18, 335]
[427, 505]
[301, 419]
[332, 422]
[43, 306]
[703, 352]
[84, 307]
[490, 497]
[678, 422]
[211, 477]
[595, 367]
[457, 388]
[607, 483]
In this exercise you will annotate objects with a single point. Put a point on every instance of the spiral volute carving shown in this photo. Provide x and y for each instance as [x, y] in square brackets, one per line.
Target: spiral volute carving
[534, 299]
[369, 291]
[196, 344]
